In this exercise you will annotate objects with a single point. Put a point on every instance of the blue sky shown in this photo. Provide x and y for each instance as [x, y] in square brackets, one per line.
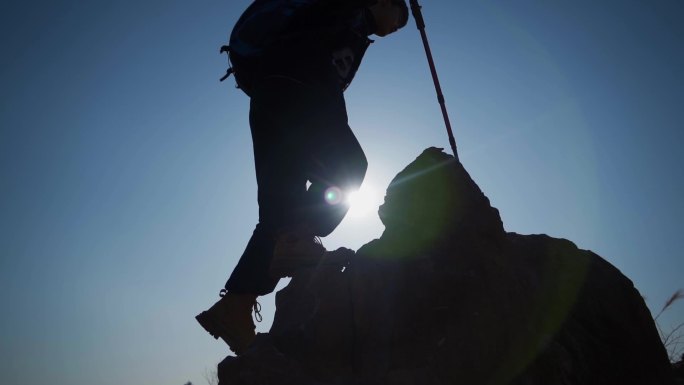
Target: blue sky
[126, 176]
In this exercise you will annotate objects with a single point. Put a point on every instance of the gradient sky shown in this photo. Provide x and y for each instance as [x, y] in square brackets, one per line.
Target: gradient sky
[127, 185]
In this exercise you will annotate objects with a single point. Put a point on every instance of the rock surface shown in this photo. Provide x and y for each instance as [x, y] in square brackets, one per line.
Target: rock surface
[678, 368]
[446, 296]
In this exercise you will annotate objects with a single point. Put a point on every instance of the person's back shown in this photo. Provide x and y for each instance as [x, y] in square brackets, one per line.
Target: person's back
[294, 58]
[305, 39]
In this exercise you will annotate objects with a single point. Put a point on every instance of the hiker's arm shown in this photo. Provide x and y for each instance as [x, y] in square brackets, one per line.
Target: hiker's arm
[348, 5]
[328, 18]
[380, 17]
[342, 8]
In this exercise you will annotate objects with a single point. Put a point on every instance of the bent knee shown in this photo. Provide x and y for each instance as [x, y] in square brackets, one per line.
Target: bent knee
[357, 169]
[362, 165]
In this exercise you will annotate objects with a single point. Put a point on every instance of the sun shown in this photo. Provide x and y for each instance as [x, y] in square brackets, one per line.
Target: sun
[363, 202]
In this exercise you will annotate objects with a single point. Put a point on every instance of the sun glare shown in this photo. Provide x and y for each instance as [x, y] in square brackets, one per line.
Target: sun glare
[363, 202]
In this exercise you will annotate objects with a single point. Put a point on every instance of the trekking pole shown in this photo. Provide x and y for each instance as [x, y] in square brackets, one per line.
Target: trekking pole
[420, 23]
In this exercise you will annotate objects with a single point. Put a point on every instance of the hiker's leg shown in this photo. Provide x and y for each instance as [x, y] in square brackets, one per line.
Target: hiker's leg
[275, 116]
[337, 165]
[281, 179]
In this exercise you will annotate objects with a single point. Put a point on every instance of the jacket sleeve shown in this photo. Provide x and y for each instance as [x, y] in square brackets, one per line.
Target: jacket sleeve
[348, 5]
[341, 8]
[343, 14]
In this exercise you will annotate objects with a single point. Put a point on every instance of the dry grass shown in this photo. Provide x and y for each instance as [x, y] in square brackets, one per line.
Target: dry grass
[673, 339]
[211, 375]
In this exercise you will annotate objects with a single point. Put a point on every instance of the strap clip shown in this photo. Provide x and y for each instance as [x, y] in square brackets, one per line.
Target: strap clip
[230, 70]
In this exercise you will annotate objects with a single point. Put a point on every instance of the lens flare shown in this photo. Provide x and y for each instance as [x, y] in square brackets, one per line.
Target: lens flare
[333, 195]
[363, 202]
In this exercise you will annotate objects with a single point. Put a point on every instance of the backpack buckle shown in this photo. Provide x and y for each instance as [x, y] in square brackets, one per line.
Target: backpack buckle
[229, 71]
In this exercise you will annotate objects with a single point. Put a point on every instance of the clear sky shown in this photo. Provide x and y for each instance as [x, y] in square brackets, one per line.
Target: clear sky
[127, 189]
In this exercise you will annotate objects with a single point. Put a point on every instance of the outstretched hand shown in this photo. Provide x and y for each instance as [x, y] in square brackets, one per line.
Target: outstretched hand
[388, 17]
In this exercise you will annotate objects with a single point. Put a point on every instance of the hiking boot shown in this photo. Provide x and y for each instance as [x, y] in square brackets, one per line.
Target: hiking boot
[295, 250]
[231, 319]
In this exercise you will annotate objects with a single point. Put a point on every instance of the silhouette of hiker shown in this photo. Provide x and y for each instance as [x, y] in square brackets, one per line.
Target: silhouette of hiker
[294, 58]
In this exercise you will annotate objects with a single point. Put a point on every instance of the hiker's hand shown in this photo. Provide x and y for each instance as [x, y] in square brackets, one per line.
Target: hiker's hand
[387, 17]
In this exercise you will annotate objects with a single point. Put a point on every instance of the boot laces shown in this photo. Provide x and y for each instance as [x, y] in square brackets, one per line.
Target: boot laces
[257, 311]
[256, 306]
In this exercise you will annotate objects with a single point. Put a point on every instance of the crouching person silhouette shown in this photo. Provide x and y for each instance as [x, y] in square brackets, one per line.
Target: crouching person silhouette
[294, 59]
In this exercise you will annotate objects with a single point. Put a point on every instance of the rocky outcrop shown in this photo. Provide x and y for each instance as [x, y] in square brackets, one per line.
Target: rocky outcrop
[678, 369]
[446, 296]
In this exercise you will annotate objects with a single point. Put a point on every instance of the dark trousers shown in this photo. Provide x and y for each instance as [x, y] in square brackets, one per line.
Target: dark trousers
[300, 134]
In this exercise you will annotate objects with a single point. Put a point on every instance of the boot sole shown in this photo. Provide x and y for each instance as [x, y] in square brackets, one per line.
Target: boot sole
[216, 329]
